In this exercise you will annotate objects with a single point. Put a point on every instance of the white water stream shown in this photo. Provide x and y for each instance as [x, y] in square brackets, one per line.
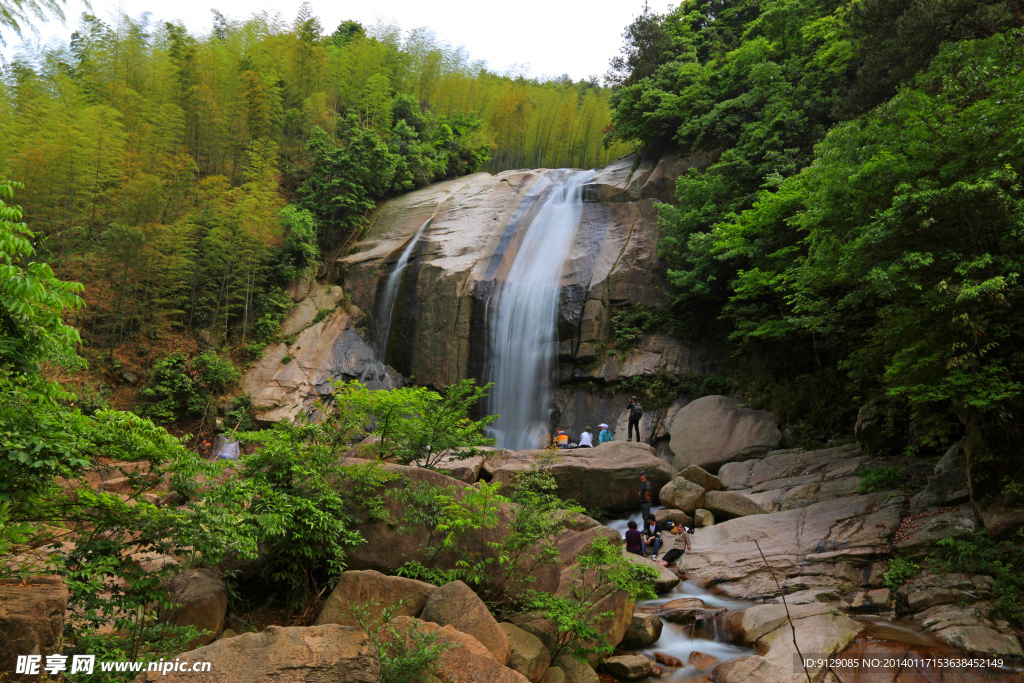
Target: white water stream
[390, 294]
[522, 317]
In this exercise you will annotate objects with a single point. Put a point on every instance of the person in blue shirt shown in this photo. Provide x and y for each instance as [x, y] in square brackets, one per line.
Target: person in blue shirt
[605, 434]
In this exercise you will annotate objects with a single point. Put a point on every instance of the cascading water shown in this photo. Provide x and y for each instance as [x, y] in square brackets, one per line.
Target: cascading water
[390, 294]
[522, 317]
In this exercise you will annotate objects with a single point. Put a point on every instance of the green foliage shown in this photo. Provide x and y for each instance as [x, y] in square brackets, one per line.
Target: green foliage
[1002, 560]
[415, 425]
[599, 571]
[299, 253]
[321, 315]
[899, 572]
[300, 504]
[179, 386]
[884, 478]
[410, 656]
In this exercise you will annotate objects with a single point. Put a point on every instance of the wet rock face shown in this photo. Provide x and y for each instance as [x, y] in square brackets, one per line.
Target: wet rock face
[715, 430]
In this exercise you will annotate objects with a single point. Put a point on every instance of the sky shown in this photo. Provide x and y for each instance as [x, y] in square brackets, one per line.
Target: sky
[553, 37]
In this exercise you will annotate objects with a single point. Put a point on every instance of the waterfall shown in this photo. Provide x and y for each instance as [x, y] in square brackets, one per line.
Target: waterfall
[522, 319]
[390, 293]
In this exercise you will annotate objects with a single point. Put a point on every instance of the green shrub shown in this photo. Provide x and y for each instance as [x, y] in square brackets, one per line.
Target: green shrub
[179, 386]
[899, 572]
[409, 657]
[286, 359]
[1002, 560]
[321, 315]
[884, 478]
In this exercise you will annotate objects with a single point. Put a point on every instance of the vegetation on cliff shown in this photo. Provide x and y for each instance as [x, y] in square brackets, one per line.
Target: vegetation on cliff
[859, 235]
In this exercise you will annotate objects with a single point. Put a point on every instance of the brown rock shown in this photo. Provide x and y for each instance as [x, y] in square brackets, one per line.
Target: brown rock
[701, 661]
[702, 478]
[607, 477]
[572, 543]
[31, 618]
[703, 518]
[682, 494]
[529, 656]
[686, 610]
[457, 605]
[644, 630]
[730, 505]
[201, 599]
[675, 516]
[576, 671]
[667, 660]
[714, 430]
[375, 592]
[280, 654]
[628, 667]
[464, 660]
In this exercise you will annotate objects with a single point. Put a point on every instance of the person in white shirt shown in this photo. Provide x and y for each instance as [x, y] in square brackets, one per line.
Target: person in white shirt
[586, 439]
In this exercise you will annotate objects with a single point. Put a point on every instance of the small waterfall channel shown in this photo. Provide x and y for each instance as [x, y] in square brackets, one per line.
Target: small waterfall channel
[522, 318]
[389, 295]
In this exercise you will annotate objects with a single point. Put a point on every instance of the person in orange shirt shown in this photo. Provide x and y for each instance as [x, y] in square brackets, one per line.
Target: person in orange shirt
[562, 440]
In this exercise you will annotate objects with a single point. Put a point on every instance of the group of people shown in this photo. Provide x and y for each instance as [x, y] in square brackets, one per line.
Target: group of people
[586, 440]
[638, 542]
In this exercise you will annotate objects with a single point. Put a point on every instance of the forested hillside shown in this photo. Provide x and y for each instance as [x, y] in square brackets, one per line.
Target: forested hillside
[187, 179]
[859, 237]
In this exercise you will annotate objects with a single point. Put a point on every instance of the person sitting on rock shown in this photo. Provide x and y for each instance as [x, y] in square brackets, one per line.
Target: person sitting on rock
[634, 539]
[586, 439]
[605, 435]
[562, 440]
[671, 556]
[652, 537]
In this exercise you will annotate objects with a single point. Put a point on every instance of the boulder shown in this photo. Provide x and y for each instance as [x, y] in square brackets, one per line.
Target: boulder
[571, 543]
[970, 628]
[464, 469]
[702, 478]
[200, 597]
[682, 494]
[730, 505]
[577, 521]
[555, 674]
[457, 605]
[948, 485]
[868, 427]
[927, 590]
[281, 654]
[677, 517]
[464, 659]
[576, 671]
[686, 610]
[375, 592]
[701, 661]
[31, 618]
[920, 538]
[628, 667]
[1001, 521]
[714, 430]
[528, 655]
[703, 518]
[605, 477]
[828, 545]
[643, 631]
[666, 580]
[875, 600]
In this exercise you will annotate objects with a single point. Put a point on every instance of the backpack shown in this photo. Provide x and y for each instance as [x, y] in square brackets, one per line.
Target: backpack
[635, 410]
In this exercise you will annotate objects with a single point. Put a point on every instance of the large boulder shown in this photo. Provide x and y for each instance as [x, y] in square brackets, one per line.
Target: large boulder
[571, 543]
[606, 477]
[831, 544]
[457, 605]
[31, 619]
[628, 667]
[464, 658]
[730, 505]
[948, 485]
[666, 580]
[374, 592]
[281, 654]
[969, 627]
[702, 478]
[682, 494]
[576, 671]
[529, 656]
[920, 538]
[714, 430]
[200, 599]
[388, 546]
[644, 630]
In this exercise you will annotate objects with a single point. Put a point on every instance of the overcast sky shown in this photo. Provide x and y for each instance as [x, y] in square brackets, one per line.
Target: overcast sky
[552, 36]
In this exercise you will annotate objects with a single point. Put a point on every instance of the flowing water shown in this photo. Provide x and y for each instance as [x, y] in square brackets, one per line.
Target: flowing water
[390, 294]
[522, 318]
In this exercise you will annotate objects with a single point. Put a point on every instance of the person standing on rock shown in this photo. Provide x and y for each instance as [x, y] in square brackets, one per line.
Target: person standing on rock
[636, 411]
[605, 436]
[643, 495]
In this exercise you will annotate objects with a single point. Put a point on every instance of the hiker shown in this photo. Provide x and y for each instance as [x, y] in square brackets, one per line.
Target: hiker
[586, 439]
[643, 495]
[605, 435]
[652, 536]
[634, 540]
[636, 411]
[562, 439]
